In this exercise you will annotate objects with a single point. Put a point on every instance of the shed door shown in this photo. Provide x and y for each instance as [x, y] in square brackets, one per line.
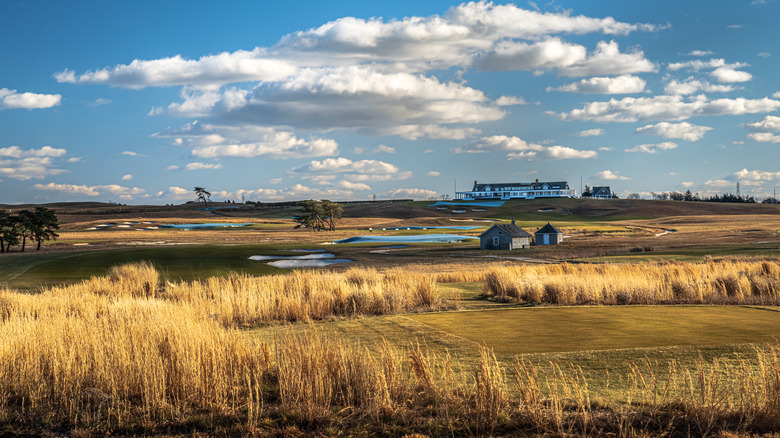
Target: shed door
[546, 239]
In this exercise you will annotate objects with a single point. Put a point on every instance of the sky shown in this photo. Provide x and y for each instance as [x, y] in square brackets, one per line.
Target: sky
[139, 102]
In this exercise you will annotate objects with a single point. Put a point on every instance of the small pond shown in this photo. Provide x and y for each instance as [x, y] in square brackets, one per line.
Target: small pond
[317, 260]
[190, 227]
[420, 238]
[455, 227]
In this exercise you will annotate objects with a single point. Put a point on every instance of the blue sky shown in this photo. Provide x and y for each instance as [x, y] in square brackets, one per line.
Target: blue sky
[138, 102]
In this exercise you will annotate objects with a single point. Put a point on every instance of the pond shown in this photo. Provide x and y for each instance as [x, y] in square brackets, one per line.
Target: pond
[454, 227]
[470, 204]
[317, 260]
[420, 238]
[207, 226]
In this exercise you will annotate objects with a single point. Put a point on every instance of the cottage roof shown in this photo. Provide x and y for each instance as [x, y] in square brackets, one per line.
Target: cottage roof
[601, 191]
[511, 229]
[549, 229]
[499, 187]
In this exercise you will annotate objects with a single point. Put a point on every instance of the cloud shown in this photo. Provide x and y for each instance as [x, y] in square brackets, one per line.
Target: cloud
[10, 99]
[412, 193]
[767, 124]
[134, 154]
[610, 175]
[25, 164]
[353, 185]
[363, 170]
[725, 74]
[764, 130]
[296, 192]
[214, 141]
[687, 183]
[413, 132]
[202, 166]
[692, 86]
[734, 26]
[595, 132]
[112, 189]
[73, 159]
[414, 43]
[756, 177]
[604, 85]
[632, 109]
[696, 65]
[653, 148]
[358, 98]
[683, 130]
[384, 149]
[565, 58]
[172, 167]
[99, 102]
[510, 100]
[605, 148]
[518, 148]
[239, 66]
[700, 52]
[127, 177]
[433, 173]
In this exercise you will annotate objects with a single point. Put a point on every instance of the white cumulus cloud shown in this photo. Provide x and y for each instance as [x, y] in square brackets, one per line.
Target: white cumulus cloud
[110, 189]
[653, 148]
[412, 193]
[610, 175]
[212, 141]
[518, 148]
[683, 130]
[201, 166]
[595, 132]
[632, 109]
[25, 164]
[692, 86]
[362, 170]
[625, 84]
[11, 99]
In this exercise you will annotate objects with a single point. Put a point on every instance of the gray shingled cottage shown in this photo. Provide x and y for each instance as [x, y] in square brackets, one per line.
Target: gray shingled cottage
[548, 235]
[505, 236]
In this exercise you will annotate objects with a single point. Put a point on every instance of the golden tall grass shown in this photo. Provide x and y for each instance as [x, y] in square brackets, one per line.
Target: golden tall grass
[712, 282]
[114, 355]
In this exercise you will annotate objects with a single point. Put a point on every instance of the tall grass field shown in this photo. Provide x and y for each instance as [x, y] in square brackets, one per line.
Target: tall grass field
[128, 353]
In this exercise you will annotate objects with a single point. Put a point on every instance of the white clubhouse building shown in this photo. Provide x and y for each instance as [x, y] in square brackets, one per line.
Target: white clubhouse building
[532, 190]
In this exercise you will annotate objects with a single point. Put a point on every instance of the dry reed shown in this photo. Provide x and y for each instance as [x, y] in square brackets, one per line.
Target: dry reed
[126, 357]
[710, 282]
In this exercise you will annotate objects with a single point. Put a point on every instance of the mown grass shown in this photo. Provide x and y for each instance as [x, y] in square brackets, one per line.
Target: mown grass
[693, 254]
[180, 262]
[511, 332]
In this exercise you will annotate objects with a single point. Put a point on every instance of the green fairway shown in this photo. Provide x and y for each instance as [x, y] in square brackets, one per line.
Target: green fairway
[512, 332]
[181, 262]
[694, 254]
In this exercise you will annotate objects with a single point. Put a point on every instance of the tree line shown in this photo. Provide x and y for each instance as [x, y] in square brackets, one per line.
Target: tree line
[36, 225]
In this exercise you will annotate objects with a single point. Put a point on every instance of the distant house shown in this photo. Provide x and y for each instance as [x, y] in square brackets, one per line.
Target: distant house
[601, 192]
[505, 236]
[548, 235]
[497, 191]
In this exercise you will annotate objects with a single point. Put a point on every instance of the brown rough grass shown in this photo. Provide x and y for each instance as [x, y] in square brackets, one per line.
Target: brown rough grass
[726, 281]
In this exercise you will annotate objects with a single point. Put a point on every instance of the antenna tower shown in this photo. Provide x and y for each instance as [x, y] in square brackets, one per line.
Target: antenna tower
[738, 194]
